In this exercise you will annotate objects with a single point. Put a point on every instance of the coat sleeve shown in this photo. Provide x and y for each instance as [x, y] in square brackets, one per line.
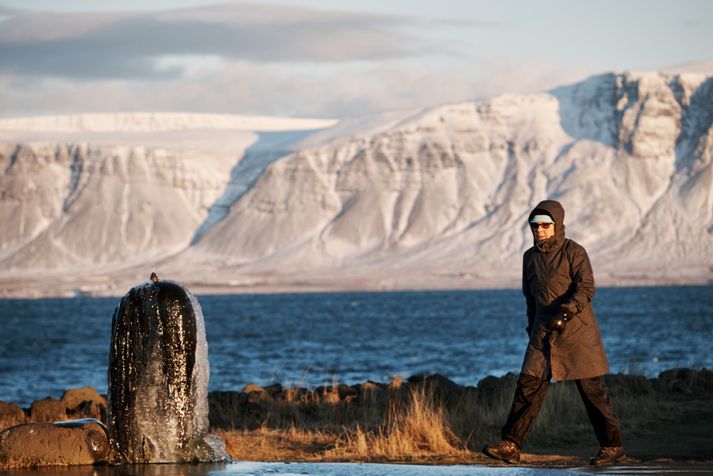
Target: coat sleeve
[529, 298]
[582, 280]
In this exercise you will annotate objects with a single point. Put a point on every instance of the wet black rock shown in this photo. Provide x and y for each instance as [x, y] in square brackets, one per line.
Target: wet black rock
[225, 408]
[629, 384]
[276, 391]
[442, 388]
[346, 393]
[158, 378]
[256, 394]
[493, 390]
[372, 391]
[685, 380]
[335, 393]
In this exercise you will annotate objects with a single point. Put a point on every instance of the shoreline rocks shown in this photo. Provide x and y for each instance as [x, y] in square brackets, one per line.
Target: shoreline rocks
[248, 408]
[86, 402]
[55, 444]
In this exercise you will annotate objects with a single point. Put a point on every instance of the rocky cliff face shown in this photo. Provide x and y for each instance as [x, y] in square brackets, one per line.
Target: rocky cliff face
[82, 207]
[433, 198]
[447, 192]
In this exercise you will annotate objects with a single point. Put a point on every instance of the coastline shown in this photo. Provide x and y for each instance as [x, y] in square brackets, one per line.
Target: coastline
[433, 421]
[100, 285]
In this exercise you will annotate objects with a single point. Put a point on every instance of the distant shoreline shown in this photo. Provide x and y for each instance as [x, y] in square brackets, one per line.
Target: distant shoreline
[110, 286]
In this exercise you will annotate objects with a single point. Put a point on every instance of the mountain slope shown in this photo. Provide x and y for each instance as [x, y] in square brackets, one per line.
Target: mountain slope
[109, 191]
[447, 191]
[434, 198]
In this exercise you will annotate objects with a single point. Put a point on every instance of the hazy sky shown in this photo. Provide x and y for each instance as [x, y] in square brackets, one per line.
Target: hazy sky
[320, 58]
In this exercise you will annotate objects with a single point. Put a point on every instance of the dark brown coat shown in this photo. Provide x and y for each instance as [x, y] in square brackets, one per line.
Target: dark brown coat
[557, 273]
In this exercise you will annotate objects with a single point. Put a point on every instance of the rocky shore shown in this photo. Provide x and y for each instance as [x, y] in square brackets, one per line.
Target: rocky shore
[429, 418]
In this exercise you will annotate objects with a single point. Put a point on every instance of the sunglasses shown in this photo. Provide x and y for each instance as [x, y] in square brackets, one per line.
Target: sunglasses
[544, 226]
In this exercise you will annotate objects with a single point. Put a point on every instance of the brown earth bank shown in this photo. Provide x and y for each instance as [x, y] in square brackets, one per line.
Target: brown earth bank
[429, 419]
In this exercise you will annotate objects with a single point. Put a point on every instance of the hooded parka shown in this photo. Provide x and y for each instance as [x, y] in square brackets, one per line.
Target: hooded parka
[557, 273]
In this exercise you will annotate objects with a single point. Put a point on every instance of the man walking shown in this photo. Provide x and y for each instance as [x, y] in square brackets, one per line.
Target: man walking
[565, 343]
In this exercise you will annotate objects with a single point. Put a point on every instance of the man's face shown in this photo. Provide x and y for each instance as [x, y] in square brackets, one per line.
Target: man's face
[542, 231]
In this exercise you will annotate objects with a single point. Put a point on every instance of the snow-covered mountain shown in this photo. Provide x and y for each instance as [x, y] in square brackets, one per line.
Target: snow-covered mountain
[415, 199]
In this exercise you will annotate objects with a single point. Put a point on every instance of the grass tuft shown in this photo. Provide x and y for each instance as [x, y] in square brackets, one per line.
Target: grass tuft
[415, 428]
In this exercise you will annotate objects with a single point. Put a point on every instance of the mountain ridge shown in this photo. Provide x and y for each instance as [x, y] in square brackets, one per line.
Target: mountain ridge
[431, 198]
[158, 121]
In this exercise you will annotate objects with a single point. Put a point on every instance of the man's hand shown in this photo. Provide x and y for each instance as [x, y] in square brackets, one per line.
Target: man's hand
[558, 321]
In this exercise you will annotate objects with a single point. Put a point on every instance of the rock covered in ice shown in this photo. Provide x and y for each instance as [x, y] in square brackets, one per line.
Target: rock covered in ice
[158, 378]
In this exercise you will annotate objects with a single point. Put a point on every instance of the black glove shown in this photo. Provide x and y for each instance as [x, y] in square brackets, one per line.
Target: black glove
[559, 320]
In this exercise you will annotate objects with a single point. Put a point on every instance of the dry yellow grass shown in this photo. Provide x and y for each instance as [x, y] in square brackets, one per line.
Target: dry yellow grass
[419, 423]
[399, 425]
[437, 423]
[418, 429]
[264, 444]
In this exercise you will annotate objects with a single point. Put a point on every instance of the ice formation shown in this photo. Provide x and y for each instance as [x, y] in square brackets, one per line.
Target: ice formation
[158, 378]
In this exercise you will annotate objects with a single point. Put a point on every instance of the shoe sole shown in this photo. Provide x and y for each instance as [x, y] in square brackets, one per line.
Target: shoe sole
[500, 458]
[606, 463]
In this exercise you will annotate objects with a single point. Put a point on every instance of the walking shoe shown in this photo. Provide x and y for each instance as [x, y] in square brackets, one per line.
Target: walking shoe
[608, 455]
[504, 450]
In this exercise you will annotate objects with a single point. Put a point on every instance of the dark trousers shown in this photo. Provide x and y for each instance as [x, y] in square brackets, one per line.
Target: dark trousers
[530, 394]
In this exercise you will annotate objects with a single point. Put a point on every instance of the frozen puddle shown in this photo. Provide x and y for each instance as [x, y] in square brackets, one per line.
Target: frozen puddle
[351, 469]
[364, 469]
[372, 469]
[292, 469]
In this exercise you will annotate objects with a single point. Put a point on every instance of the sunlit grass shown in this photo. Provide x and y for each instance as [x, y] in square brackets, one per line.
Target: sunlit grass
[436, 421]
[403, 422]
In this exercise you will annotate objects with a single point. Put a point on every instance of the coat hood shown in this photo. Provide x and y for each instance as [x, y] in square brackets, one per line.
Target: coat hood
[555, 210]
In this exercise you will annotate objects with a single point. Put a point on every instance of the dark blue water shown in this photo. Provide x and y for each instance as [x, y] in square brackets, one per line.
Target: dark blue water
[49, 345]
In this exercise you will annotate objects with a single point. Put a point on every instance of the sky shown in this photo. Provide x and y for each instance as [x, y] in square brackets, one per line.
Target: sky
[327, 59]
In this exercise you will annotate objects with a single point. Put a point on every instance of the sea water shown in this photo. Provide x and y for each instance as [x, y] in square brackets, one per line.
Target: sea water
[310, 339]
